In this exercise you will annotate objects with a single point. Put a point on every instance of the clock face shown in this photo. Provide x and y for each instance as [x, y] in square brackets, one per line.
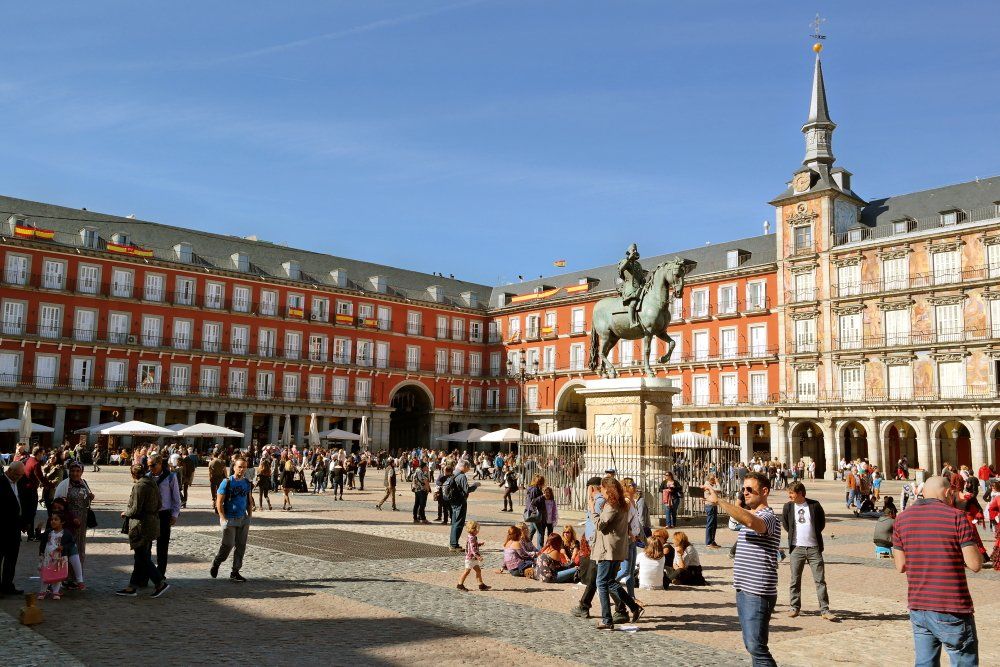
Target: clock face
[846, 214]
[801, 182]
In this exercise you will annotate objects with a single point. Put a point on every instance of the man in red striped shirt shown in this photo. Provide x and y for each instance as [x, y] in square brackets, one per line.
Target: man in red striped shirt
[933, 543]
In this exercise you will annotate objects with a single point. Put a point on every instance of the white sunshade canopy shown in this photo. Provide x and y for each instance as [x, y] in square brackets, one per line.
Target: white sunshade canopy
[468, 435]
[203, 430]
[692, 440]
[97, 428]
[339, 434]
[176, 427]
[139, 428]
[13, 425]
[508, 435]
[575, 435]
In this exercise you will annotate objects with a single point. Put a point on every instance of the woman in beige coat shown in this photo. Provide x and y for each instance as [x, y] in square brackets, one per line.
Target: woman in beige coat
[610, 549]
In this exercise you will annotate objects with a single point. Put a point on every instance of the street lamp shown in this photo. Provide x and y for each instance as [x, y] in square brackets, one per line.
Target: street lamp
[522, 375]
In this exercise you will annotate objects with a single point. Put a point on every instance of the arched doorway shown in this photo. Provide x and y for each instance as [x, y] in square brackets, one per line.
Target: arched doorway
[571, 410]
[854, 441]
[807, 444]
[900, 441]
[954, 445]
[410, 419]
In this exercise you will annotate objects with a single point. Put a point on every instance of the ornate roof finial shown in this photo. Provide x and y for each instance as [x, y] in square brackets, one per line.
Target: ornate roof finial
[818, 128]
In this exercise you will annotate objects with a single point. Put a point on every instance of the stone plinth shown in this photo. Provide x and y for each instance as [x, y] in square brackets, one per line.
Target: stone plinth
[629, 422]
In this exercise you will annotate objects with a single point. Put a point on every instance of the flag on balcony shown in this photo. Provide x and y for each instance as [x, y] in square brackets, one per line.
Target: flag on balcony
[117, 248]
[139, 251]
[344, 319]
[369, 322]
[45, 234]
[24, 232]
[559, 262]
[134, 250]
[576, 289]
[296, 312]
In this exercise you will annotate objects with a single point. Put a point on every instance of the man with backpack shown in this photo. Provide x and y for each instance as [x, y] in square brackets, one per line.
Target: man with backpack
[455, 491]
[234, 505]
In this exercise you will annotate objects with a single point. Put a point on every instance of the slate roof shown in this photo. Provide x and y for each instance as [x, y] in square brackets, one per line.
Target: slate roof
[216, 249]
[926, 206]
[710, 258]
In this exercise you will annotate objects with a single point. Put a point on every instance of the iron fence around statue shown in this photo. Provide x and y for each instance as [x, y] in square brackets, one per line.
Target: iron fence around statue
[566, 467]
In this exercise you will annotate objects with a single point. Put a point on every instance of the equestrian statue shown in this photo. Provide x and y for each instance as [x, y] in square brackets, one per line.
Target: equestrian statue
[642, 310]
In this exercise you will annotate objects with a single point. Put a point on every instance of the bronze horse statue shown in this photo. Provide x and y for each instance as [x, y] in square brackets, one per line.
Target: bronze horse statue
[611, 321]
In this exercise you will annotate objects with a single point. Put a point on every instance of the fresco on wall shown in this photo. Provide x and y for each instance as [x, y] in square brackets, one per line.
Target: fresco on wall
[874, 373]
[975, 313]
[923, 374]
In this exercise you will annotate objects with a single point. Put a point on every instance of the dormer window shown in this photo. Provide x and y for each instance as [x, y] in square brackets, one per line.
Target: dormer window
[339, 277]
[15, 221]
[952, 217]
[856, 234]
[121, 238]
[903, 226]
[183, 252]
[89, 237]
[241, 261]
[292, 269]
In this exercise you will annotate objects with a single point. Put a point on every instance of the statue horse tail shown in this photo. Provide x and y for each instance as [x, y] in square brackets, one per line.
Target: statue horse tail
[595, 349]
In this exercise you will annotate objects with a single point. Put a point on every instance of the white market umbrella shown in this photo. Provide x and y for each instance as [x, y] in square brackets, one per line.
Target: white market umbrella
[692, 440]
[574, 435]
[313, 431]
[286, 433]
[177, 427]
[508, 435]
[338, 434]
[204, 430]
[140, 428]
[365, 439]
[468, 435]
[97, 428]
[13, 425]
[25, 432]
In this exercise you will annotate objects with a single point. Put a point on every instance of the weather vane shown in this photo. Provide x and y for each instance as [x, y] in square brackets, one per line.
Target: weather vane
[816, 34]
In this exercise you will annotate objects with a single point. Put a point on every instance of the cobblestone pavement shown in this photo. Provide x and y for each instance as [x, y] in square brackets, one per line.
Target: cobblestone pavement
[404, 609]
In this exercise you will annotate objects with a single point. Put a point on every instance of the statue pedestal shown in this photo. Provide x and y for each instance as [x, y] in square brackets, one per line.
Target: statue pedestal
[629, 422]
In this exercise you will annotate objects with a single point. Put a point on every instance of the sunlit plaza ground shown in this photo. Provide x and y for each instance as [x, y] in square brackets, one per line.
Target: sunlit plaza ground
[339, 583]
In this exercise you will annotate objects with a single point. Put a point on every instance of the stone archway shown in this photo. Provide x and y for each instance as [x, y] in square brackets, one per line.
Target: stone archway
[571, 409]
[993, 444]
[853, 438]
[899, 439]
[808, 443]
[410, 419]
[953, 444]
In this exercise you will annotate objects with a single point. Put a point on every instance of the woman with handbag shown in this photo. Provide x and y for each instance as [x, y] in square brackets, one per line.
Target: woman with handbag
[142, 525]
[75, 492]
[58, 551]
[534, 509]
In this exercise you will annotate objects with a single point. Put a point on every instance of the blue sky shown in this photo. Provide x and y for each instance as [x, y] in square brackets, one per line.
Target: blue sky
[482, 138]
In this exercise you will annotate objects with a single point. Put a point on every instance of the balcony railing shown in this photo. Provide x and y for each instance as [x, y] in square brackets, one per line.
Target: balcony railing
[803, 295]
[965, 217]
[865, 395]
[919, 338]
[917, 281]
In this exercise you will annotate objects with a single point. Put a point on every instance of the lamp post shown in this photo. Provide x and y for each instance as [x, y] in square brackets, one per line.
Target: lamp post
[522, 375]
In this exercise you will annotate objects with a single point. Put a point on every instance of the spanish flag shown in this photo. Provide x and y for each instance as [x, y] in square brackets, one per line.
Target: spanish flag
[559, 262]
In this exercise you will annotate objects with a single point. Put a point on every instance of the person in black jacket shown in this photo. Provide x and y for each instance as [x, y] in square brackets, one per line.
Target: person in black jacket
[10, 526]
[804, 521]
[534, 506]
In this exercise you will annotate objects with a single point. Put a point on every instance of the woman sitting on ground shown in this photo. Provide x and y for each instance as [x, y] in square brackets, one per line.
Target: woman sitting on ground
[883, 528]
[516, 559]
[552, 565]
[571, 545]
[650, 564]
[687, 566]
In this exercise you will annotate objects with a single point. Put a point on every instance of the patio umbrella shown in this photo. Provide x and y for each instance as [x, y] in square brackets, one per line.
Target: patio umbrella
[364, 433]
[13, 425]
[468, 435]
[313, 431]
[286, 434]
[204, 430]
[25, 433]
[338, 434]
[574, 435]
[177, 427]
[88, 430]
[140, 428]
[508, 435]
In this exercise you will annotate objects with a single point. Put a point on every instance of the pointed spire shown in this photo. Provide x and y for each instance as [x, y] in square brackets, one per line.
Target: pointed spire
[818, 128]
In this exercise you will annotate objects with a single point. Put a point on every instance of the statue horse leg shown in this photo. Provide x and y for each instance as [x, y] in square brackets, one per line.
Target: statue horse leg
[647, 340]
[608, 341]
[670, 346]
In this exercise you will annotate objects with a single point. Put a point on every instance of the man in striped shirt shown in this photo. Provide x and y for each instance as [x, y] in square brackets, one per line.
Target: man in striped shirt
[755, 568]
[933, 543]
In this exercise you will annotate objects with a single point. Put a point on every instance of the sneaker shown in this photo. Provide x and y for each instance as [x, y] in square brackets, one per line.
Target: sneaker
[637, 614]
[461, 587]
[484, 587]
[580, 612]
[161, 589]
[237, 578]
[619, 617]
[127, 593]
[214, 571]
[792, 613]
[605, 626]
[829, 616]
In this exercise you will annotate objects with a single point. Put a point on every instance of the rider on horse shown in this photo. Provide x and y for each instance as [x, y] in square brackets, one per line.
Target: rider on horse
[634, 279]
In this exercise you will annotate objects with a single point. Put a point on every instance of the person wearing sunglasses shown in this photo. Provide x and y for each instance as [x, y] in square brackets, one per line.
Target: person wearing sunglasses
[755, 567]
[804, 519]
